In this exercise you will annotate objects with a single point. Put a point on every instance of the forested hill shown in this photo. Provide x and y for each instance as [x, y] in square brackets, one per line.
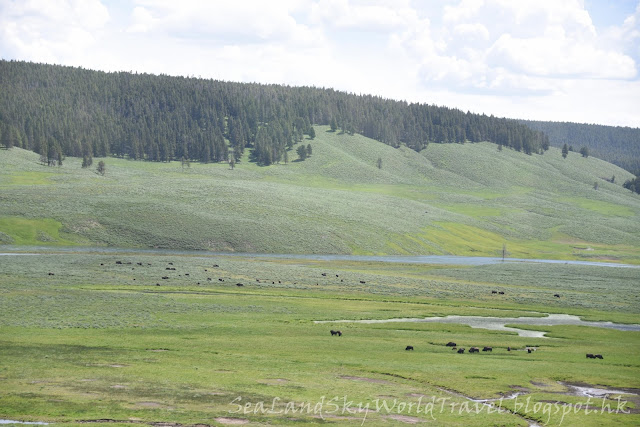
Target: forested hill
[617, 145]
[58, 110]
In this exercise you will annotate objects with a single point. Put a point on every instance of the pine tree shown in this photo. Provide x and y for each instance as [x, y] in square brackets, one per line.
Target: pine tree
[565, 151]
[302, 152]
[584, 151]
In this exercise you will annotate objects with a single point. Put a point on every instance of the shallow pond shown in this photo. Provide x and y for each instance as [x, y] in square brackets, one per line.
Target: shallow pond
[499, 323]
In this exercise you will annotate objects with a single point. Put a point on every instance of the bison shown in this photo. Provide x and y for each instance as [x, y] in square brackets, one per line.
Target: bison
[556, 295]
[501, 293]
[494, 292]
[451, 344]
[239, 284]
[590, 356]
[338, 333]
[363, 282]
[460, 350]
[599, 356]
[474, 350]
[508, 348]
[409, 347]
[487, 349]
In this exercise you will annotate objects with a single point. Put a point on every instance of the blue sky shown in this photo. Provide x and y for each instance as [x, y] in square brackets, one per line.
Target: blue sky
[563, 60]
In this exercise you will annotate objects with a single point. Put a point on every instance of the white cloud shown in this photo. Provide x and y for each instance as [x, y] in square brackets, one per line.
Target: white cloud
[555, 55]
[502, 46]
[627, 35]
[370, 16]
[49, 30]
[234, 22]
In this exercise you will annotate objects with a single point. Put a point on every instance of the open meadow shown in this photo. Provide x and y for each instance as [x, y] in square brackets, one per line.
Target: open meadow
[462, 199]
[148, 338]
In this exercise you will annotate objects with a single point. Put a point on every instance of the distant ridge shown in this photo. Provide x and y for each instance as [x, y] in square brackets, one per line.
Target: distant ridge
[615, 144]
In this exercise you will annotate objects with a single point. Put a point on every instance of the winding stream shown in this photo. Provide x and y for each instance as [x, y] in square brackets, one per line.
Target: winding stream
[499, 323]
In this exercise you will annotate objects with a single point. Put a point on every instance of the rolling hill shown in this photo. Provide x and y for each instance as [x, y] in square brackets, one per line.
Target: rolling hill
[615, 144]
[462, 199]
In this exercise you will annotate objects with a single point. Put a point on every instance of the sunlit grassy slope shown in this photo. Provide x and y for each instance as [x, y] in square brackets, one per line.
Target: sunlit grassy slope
[449, 199]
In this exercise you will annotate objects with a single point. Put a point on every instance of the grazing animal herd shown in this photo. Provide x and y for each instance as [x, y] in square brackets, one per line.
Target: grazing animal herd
[472, 350]
[451, 344]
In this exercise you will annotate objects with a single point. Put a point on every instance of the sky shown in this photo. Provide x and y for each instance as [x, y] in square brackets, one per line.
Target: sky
[559, 60]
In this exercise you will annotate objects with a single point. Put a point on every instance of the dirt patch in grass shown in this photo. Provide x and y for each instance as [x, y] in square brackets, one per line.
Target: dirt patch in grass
[404, 419]
[539, 384]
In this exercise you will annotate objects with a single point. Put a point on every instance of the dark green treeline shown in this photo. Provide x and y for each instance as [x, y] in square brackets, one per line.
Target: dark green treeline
[65, 111]
[616, 144]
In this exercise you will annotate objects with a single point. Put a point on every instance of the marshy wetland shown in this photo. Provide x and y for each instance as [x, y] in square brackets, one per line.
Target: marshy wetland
[172, 338]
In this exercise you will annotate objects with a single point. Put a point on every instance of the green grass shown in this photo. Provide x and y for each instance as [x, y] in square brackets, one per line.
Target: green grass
[24, 231]
[337, 201]
[99, 340]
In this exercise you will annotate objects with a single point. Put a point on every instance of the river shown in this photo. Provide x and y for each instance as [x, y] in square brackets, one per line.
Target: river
[421, 259]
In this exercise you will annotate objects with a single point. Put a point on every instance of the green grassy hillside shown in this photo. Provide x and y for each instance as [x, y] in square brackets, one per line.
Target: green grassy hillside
[448, 199]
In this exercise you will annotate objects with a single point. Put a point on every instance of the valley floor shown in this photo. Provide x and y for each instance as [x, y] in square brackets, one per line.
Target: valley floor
[142, 338]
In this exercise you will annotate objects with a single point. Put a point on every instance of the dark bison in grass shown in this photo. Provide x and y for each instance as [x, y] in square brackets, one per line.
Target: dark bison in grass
[451, 344]
[338, 333]
[409, 347]
[474, 350]
[460, 350]
[594, 356]
[487, 349]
